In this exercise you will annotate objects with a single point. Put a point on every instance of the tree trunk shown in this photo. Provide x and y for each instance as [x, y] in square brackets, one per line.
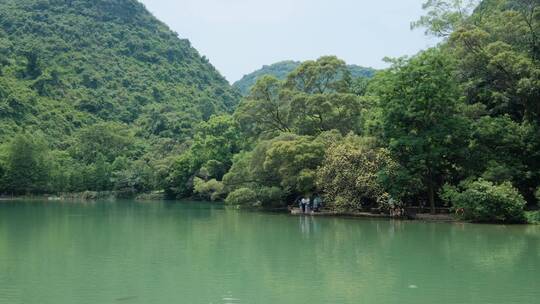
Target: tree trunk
[431, 196]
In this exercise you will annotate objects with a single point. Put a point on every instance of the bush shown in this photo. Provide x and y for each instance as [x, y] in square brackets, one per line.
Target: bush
[271, 196]
[211, 189]
[533, 217]
[483, 201]
[242, 196]
[537, 194]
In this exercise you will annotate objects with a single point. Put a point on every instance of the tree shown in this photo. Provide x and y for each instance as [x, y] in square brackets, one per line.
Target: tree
[350, 173]
[242, 197]
[294, 160]
[2, 172]
[209, 190]
[102, 140]
[101, 174]
[497, 56]
[318, 96]
[270, 196]
[215, 143]
[109, 95]
[26, 169]
[327, 74]
[264, 110]
[33, 63]
[218, 140]
[180, 178]
[420, 120]
[502, 149]
[130, 177]
[484, 201]
[443, 17]
[529, 16]
[280, 168]
[312, 114]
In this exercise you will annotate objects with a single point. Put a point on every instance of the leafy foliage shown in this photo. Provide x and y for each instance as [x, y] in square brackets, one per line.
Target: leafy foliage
[281, 70]
[484, 201]
[465, 110]
[444, 16]
[316, 97]
[242, 197]
[349, 175]
[26, 168]
[420, 120]
[208, 190]
[128, 106]
[210, 155]
[115, 94]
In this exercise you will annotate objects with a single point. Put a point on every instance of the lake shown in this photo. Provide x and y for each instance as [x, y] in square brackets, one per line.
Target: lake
[154, 252]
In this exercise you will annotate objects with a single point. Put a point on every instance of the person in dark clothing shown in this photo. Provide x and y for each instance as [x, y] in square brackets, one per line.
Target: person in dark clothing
[317, 203]
[298, 202]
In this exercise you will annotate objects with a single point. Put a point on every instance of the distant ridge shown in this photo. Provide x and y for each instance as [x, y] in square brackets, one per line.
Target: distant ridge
[281, 69]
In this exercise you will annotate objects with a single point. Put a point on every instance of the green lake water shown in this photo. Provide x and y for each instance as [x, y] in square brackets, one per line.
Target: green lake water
[154, 253]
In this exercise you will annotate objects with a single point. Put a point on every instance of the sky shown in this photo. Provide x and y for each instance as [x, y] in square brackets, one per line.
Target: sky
[240, 36]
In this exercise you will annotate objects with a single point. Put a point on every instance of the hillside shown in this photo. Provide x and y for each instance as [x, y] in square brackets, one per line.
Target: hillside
[281, 69]
[68, 64]
[100, 94]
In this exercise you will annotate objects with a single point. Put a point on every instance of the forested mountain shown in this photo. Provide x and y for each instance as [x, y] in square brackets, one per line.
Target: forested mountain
[73, 70]
[68, 64]
[281, 69]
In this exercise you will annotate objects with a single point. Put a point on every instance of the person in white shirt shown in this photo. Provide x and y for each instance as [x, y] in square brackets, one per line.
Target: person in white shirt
[304, 204]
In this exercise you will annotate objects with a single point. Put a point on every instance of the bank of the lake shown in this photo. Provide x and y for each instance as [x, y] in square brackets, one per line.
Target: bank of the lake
[88, 196]
[533, 217]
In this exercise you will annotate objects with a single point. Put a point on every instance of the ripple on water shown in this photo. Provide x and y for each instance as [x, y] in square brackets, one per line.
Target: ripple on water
[229, 299]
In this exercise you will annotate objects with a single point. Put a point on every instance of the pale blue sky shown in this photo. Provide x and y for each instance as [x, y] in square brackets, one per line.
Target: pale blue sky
[240, 36]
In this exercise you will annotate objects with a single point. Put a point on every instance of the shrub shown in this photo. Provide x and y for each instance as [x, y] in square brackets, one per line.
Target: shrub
[271, 196]
[483, 201]
[212, 189]
[242, 196]
[533, 217]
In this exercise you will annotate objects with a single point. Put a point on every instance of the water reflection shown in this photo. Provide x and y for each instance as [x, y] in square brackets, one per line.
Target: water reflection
[309, 225]
[201, 253]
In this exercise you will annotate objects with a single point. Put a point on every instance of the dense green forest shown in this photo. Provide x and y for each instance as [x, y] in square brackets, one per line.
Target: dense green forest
[281, 69]
[456, 125]
[98, 94]
[127, 106]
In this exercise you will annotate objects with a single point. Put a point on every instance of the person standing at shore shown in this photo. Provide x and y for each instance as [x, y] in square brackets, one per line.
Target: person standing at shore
[298, 201]
[317, 203]
[305, 205]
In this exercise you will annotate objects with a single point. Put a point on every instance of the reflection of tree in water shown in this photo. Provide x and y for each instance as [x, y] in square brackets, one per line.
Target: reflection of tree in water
[265, 258]
[488, 247]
